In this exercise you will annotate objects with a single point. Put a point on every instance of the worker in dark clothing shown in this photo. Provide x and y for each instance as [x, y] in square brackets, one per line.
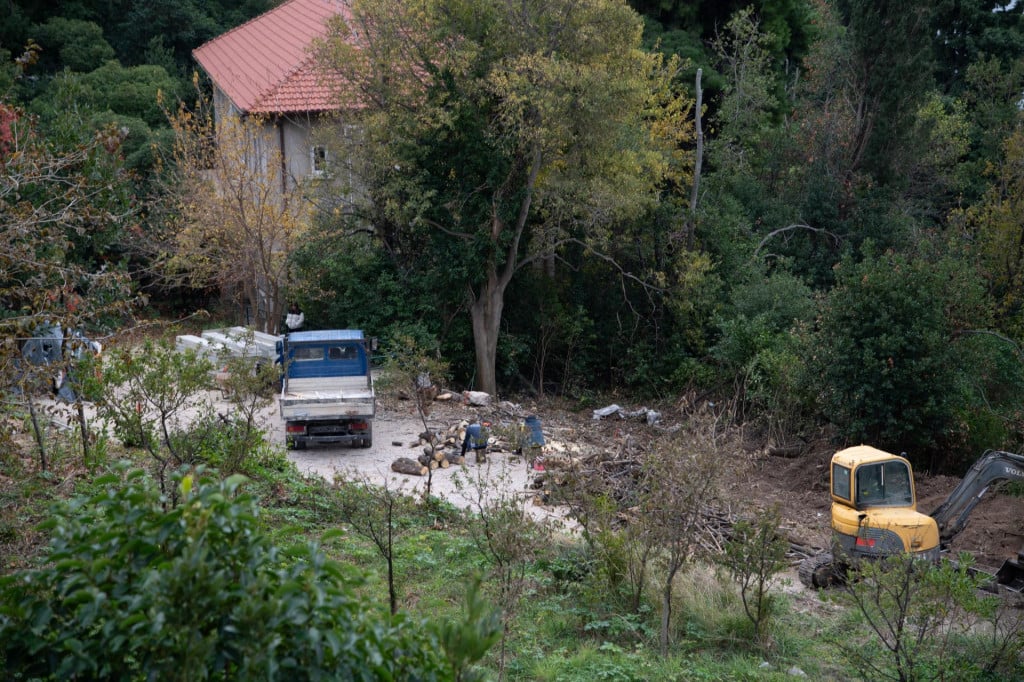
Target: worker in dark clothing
[476, 440]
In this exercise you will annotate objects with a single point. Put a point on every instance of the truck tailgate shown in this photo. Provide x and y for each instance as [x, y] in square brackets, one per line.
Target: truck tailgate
[326, 397]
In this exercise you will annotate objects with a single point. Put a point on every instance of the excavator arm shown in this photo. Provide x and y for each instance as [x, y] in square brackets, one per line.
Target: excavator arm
[995, 465]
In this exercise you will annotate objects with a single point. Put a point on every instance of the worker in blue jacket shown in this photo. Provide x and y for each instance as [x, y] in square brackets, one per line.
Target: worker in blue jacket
[476, 440]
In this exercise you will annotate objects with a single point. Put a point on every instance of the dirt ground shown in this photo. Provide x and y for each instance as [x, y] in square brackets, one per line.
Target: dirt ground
[752, 479]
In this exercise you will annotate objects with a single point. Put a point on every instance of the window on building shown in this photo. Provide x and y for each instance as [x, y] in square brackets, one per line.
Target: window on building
[318, 161]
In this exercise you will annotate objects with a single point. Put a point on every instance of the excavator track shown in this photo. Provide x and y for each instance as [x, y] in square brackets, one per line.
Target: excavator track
[820, 571]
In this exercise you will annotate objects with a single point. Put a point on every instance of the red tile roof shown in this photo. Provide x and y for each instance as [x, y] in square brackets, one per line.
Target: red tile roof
[264, 65]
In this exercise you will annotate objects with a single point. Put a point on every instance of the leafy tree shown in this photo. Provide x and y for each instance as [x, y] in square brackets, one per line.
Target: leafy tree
[56, 208]
[679, 480]
[142, 145]
[132, 91]
[131, 27]
[991, 96]
[375, 512]
[493, 133]
[754, 554]
[883, 351]
[890, 44]
[922, 619]
[412, 371]
[622, 554]
[507, 538]
[938, 178]
[75, 106]
[968, 31]
[248, 382]
[562, 336]
[335, 271]
[468, 641]
[789, 21]
[854, 158]
[760, 345]
[76, 45]
[15, 28]
[995, 222]
[748, 99]
[132, 589]
[234, 223]
[182, 26]
[147, 392]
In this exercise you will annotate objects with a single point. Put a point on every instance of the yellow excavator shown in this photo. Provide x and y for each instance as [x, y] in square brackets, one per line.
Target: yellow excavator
[874, 513]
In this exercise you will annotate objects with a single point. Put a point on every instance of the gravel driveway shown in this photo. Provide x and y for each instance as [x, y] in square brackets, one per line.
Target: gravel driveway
[396, 434]
[396, 430]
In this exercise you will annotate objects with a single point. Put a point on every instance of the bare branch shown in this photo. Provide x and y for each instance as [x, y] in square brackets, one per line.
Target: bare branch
[836, 239]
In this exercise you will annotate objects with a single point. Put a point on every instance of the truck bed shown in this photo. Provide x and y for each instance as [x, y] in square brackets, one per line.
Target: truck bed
[326, 398]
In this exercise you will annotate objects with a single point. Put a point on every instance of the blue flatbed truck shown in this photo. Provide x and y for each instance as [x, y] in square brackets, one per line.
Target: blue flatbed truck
[326, 389]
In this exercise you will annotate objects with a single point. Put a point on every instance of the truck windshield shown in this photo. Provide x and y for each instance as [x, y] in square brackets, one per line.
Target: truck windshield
[884, 484]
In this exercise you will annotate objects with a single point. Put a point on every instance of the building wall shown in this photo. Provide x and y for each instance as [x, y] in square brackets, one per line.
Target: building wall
[297, 135]
[293, 138]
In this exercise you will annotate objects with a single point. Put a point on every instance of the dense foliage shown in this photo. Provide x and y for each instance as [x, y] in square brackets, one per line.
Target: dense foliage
[837, 249]
[885, 350]
[831, 150]
[137, 588]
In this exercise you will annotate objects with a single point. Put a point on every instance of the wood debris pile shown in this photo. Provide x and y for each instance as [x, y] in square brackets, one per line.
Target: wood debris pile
[573, 464]
[442, 448]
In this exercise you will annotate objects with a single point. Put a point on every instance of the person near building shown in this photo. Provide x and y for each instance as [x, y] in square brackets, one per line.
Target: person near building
[294, 320]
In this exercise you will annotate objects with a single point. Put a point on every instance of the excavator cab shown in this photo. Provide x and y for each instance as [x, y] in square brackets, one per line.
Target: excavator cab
[874, 508]
[874, 513]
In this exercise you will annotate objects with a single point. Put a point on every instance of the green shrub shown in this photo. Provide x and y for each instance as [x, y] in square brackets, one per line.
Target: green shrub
[134, 590]
[883, 355]
[221, 442]
[754, 554]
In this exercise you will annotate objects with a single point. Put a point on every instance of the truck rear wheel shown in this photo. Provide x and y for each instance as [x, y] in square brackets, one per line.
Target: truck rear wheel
[295, 444]
[366, 442]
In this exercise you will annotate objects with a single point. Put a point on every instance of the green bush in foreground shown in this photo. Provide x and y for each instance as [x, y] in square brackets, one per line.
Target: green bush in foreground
[134, 590]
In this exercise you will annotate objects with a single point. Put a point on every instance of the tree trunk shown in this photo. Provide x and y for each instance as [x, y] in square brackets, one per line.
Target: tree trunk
[666, 616]
[38, 432]
[392, 590]
[84, 429]
[486, 306]
[485, 311]
[666, 603]
[691, 219]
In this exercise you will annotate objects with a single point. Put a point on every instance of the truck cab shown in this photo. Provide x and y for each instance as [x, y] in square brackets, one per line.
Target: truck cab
[327, 391]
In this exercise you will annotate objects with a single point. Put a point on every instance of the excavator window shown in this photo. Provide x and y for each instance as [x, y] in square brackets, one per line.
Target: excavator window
[884, 484]
[896, 480]
[869, 484]
[841, 481]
